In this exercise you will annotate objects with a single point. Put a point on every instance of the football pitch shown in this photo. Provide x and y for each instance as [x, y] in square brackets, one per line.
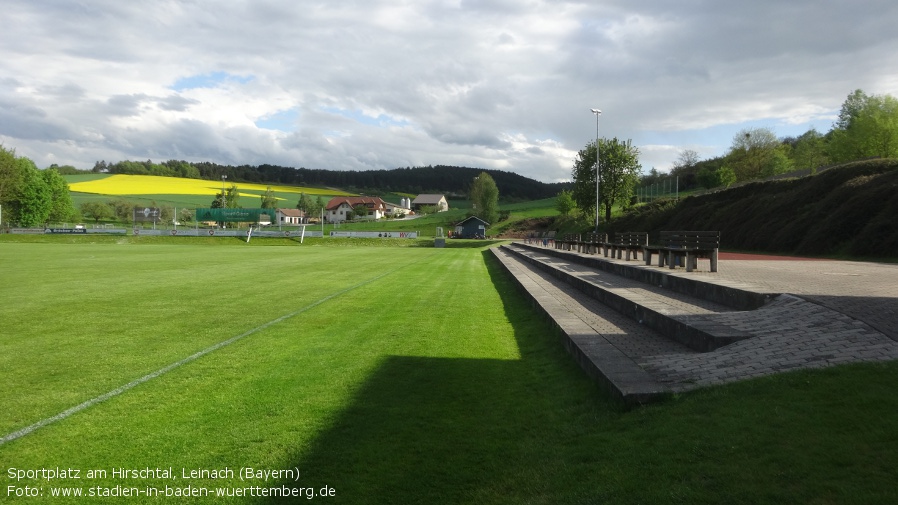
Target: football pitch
[173, 373]
[129, 358]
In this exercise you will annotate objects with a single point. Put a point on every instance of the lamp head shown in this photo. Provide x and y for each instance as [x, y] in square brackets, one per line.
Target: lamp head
[596, 111]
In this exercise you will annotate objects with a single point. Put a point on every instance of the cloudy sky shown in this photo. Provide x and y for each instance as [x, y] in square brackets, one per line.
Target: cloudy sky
[381, 84]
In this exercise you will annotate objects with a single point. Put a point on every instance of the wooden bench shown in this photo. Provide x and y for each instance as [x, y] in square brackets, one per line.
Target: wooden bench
[634, 242]
[568, 242]
[591, 243]
[689, 245]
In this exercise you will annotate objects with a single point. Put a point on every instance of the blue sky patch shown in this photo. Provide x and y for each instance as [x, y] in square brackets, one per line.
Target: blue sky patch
[210, 80]
[282, 120]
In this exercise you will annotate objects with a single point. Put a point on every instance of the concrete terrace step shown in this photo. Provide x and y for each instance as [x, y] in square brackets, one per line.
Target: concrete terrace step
[638, 364]
[606, 344]
[703, 285]
[688, 320]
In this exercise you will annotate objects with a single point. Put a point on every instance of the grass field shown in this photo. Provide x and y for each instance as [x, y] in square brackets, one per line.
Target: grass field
[389, 375]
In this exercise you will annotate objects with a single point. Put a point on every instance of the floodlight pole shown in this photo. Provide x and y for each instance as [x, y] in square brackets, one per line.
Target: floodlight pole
[223, 205]
[598, 113]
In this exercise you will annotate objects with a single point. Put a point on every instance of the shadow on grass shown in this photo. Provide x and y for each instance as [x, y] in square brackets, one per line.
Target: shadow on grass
[452, 430]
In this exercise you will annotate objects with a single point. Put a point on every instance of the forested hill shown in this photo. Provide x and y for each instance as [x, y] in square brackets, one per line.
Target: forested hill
[449, 180]
[431, 179]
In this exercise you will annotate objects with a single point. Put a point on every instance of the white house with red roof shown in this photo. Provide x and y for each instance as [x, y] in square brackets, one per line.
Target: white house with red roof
[342, 208]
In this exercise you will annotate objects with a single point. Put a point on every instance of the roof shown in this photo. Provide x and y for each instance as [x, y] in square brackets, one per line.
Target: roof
[471, 218]
[353, 201]
[428, 199]
[291, 212]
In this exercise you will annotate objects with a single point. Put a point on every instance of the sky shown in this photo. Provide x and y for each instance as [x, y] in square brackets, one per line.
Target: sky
[384, 84]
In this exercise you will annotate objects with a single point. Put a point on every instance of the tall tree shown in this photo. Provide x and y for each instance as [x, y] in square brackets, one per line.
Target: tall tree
[564, 202]
[618, 169]
[686, 160]
[867, 127]
[232, 197]
[61, 207]
[11, 175]
[305, 204]
[809, 151]
[851, 107]
[269, 201]
[485, 197]
[33, 197]
[756, 153]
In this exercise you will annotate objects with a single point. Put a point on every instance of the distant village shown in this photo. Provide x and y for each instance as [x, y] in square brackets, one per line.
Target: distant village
[345, 208]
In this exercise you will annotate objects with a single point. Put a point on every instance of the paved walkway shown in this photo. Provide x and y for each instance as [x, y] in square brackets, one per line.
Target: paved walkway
[832, 312]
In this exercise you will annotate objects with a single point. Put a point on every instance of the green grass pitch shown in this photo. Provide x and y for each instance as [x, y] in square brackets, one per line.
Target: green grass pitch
[379, 375]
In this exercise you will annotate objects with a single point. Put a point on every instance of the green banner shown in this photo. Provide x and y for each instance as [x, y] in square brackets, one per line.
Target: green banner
[234, 215]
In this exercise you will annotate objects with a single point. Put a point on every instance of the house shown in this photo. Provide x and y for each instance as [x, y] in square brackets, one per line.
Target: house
[472, 227]
[397, 210]
[290, 216]
[438, 201]
[342, 208]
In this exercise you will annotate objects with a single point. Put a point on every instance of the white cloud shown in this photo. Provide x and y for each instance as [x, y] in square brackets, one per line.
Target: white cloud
[384, 84]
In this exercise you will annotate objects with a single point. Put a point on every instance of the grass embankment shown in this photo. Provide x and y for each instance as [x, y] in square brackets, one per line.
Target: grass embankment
[845, 211]
[406, 375]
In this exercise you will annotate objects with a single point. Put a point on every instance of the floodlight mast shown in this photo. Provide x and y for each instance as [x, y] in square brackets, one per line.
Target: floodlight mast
[598, 113]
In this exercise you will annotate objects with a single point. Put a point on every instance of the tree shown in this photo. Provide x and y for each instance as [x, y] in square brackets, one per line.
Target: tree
[722, 176]
[305, 204]
[269, 201]
[232, 197]
[564, 202]
[851, 107]
[809, 151]
[228, 200]
[320, 205]
[33, 197]
[756, 153]
[726, 176]
[685, 161]
[429, 209]
[122, 209]
[61, 207]
[166, 214]
[867, 127]
[11, 175]
[485, 198]
[360, 211]
[96, 211]
[619, 170]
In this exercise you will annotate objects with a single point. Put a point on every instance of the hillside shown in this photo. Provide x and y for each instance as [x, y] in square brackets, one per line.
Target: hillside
[450, 180]
[848, 210]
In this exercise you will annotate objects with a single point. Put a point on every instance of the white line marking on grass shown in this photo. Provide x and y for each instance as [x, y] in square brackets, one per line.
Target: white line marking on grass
[117, 391]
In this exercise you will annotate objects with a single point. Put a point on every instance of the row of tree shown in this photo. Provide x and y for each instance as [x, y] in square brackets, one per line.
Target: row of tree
[31, 197]
[867, 127]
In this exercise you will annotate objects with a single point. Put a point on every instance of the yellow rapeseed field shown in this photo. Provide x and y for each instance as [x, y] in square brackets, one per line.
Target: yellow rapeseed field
[154, 185]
